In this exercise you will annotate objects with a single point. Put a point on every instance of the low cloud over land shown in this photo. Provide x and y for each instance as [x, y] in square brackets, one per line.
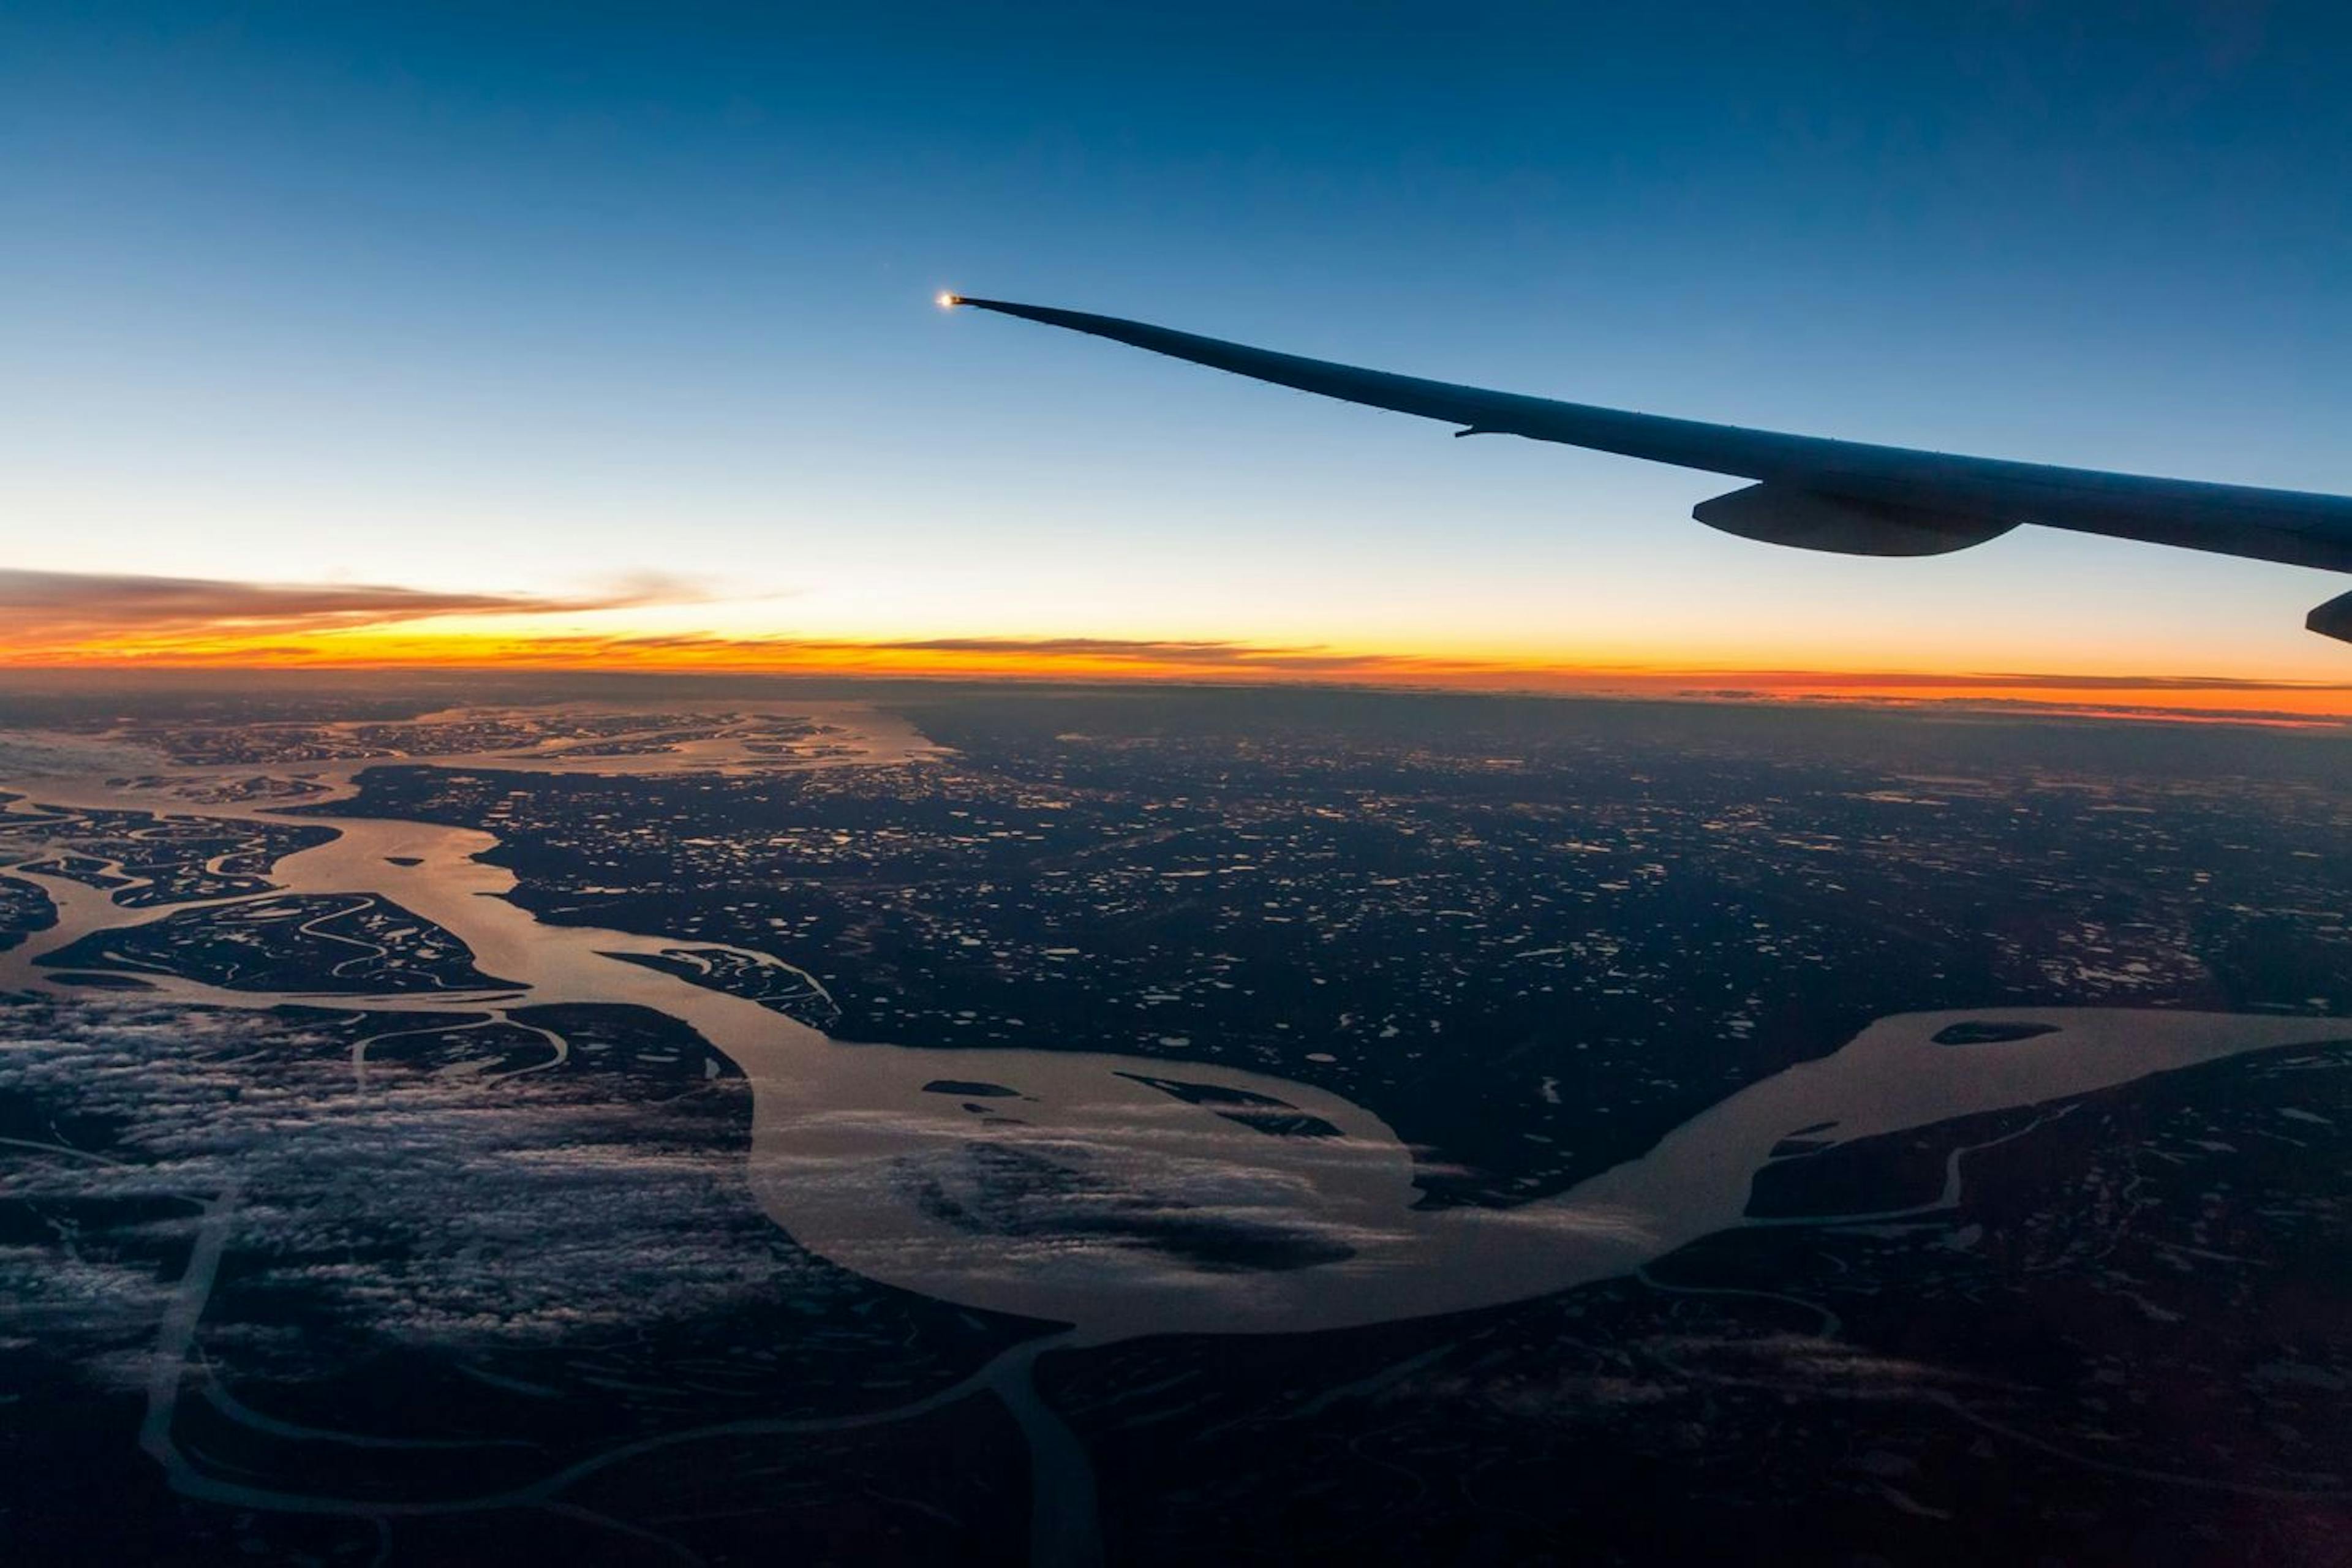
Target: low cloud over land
[55, 619]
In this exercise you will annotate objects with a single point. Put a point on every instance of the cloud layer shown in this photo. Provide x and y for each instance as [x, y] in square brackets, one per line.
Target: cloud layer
[66, 618]
[72, 607]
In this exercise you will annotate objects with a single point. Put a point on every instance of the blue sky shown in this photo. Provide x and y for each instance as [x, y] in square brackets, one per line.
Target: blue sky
[537, 298]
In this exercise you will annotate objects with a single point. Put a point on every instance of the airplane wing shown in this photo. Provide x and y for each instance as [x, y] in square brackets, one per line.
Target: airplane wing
[1843, 496]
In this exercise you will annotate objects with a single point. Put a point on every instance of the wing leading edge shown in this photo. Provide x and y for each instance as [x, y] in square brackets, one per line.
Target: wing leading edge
[1843, 496]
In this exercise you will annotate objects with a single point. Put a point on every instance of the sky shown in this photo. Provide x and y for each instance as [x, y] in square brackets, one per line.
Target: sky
[483, 332]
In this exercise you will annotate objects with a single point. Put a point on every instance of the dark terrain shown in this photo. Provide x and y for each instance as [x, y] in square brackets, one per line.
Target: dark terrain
[478, 1303]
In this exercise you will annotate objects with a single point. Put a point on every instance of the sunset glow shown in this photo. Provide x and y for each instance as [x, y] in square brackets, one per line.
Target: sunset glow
[520, 642]
[396, 375]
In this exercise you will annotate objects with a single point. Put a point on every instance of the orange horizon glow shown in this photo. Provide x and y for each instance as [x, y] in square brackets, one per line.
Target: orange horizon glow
[409, 646]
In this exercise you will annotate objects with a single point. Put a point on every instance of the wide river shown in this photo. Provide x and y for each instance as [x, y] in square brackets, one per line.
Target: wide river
[855, 1145]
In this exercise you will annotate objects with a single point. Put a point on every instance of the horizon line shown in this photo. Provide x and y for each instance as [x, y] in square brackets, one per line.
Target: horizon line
[2022, 695]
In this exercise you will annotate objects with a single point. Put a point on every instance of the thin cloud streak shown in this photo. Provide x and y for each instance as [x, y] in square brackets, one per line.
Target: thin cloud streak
[2032, 680]
[1313, 659]
[56, 607]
